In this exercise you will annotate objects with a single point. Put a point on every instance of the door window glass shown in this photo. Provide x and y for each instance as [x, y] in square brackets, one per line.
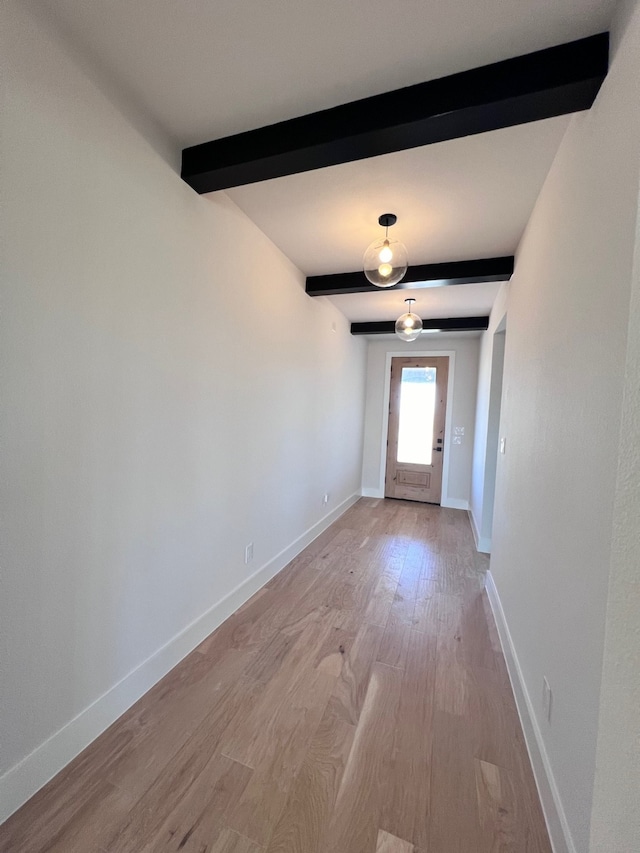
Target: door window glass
[417, 407]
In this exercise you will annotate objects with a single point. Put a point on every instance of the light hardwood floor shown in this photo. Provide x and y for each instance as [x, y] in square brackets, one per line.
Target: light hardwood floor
[359, 703]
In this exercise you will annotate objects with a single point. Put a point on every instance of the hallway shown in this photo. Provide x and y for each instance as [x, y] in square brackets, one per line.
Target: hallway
[357, 703]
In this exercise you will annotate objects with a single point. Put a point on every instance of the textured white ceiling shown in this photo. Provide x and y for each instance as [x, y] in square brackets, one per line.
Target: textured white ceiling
[463, 300]
[458, 200]
[203, 69]
[207, 68]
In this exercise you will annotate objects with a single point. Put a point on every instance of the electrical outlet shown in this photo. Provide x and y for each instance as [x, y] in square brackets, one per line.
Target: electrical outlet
[547, 698]
[325, 499]
[248, 553]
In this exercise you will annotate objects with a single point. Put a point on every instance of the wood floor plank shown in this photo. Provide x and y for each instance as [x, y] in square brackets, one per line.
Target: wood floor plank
[154, 747]
[252, 602]
[406, 797]
[452, 688]
[310, 803]
[395, 640]
[343, 600]
[193, 822]
[354, 823]
[267, 663]
[292, 628]
[379, 606]
[411, 574]
[191, 760]
[52, 812]
[508, 823]
[249, 626]
[454, 825]
[350, 613]
[93, 824]
[229, 841]
[497, 810]
[476, 637]
[358, 703]
[332, 654]
[251, 737]
[393, 551]
[390, 844]
[338, 553]
[425, 616]
[449, 616]
[283, 745]
[351, 685]
[131, 753]
[493, 719]
[288, 577]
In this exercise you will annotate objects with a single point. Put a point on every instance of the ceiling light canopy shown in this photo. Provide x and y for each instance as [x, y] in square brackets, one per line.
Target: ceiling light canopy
[385, 261]
[409, 325]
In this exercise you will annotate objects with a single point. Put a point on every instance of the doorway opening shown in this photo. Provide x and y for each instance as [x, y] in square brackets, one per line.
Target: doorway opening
[416, 430]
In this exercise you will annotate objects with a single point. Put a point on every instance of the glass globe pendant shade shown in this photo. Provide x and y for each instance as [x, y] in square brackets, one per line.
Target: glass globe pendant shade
[385, 262]
[409, 325]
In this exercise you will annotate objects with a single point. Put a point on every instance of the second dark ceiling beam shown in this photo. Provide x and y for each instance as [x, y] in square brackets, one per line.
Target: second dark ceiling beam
[421, 275]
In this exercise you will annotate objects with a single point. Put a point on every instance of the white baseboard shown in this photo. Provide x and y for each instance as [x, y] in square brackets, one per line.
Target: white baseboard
[483, 543]
[372, 493]
[23, 780]
[450, 503]
[559, 832]
[454, 503]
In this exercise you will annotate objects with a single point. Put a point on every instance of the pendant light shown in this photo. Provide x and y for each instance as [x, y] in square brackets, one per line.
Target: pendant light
[409, 325]
[385, 261]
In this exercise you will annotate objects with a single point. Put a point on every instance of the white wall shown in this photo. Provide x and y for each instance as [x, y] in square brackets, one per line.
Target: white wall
[169, 394]
[615, 823]
[455, 489]
[488, 407]
[557, 487]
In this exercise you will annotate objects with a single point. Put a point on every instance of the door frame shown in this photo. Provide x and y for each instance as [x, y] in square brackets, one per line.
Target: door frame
[448, 427]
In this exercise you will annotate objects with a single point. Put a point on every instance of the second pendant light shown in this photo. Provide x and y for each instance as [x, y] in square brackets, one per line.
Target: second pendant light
[409, 325]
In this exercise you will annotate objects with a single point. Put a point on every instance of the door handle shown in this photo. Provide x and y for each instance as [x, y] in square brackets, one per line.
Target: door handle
[438, 449]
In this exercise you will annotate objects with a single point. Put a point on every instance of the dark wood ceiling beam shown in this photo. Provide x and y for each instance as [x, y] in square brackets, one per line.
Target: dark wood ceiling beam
[558, 80]
[422, 275]
[450, 324]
